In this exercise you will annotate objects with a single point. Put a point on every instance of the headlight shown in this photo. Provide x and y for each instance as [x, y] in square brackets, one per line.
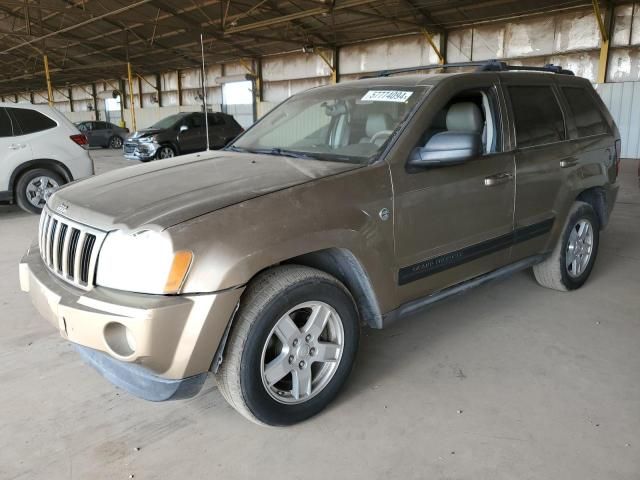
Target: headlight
[147, 139]
[143, 262]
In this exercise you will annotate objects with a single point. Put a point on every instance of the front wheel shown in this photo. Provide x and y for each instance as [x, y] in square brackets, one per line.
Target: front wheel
[292, 346]
[572, 260]
[165, 152]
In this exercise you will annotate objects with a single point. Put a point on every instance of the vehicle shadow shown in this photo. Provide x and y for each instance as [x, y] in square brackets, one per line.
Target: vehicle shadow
[13, 211]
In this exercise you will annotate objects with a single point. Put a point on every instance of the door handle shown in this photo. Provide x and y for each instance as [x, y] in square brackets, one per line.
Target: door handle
[497, 179]
[568, 163]
[16, 146]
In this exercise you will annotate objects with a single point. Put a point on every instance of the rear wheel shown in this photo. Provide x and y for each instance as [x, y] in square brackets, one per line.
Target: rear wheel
[34, 188]
[572, 260]
[115, 142]
[291, 348]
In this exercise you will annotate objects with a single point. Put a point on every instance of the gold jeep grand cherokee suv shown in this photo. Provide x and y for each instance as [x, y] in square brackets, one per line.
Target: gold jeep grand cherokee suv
[347, 205]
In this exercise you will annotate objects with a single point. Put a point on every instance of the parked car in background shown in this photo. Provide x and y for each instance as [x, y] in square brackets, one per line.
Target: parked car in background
[103, 134]
[179, 134]
[40, 150]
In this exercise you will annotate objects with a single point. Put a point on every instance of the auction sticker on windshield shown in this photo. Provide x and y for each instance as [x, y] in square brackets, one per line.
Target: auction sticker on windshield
[398, 96]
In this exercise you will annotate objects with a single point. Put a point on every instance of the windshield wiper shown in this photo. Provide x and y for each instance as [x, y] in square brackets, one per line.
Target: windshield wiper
[280, 152]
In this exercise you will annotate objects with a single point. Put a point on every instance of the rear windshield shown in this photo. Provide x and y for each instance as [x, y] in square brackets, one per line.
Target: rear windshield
[346, 123]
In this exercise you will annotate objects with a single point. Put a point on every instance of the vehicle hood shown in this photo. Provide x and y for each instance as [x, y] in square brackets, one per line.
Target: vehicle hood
[144, 132]
[164, 193]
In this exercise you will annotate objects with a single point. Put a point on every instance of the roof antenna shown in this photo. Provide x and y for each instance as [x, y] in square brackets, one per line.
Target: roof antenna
[204, 92]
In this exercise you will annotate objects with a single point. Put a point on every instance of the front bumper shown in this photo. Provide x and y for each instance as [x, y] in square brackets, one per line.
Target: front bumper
[170, 342]
[140, 151]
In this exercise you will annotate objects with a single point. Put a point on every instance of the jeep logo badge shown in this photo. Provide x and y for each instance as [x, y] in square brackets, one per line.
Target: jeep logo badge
[63, 207]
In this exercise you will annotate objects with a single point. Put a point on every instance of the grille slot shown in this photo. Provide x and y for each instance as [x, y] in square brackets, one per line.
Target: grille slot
[69, 249]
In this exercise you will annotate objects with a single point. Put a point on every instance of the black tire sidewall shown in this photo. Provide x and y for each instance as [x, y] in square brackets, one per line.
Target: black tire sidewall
[21, 187]
[111, 140]
[584, 212]
[257, 399]
[158, 157]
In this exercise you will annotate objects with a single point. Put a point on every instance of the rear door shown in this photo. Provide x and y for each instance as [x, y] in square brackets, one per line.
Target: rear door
[14, 150]
[542, 148]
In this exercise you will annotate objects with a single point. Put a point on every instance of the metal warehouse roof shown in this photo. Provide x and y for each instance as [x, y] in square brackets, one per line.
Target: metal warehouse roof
[90, 40]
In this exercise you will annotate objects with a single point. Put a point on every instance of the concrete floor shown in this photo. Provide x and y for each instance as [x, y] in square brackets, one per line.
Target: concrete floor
[511, 381]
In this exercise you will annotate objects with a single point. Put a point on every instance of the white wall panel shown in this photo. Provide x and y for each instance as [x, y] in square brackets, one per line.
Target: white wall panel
[295, 66]
[401, 52]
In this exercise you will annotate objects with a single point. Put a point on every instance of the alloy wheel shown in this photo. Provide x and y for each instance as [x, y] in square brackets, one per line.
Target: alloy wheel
[302, 352]
[39, 189]
[579, 248]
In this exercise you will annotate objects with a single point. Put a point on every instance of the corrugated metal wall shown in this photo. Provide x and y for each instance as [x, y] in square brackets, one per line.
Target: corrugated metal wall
[623, 101]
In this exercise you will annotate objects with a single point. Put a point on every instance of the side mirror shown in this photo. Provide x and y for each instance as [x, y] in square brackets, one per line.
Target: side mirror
[447, 148]
[184, 128]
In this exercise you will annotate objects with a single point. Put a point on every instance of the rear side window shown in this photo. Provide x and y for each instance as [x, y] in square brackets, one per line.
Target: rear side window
[5, 124]
[538, 117]
[587, 116]
[31, 121]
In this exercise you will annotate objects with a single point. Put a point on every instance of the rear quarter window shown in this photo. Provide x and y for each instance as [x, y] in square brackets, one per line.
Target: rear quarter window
[586, 114]
[538, 117]
[31, 121]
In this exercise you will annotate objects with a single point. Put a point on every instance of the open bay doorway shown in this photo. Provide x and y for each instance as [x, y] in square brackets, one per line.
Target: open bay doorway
[237, 100]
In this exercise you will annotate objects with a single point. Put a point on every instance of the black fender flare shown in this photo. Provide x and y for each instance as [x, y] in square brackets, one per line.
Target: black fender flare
[53, 165]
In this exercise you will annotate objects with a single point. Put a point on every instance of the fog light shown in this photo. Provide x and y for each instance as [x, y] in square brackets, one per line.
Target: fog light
[120, 339]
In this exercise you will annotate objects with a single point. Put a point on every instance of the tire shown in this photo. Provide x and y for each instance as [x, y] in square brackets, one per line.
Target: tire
[165, 151]
[34, 187]
[255, 344]
[115, 142]
[555, 272]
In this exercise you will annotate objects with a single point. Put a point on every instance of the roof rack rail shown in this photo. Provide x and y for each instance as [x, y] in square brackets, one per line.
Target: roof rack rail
[486, 66]
[497, 66]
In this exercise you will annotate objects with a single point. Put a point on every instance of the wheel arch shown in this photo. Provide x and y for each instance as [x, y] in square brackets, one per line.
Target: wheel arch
[344, 265]
[597, 198]
[337, 262]
[54, 165]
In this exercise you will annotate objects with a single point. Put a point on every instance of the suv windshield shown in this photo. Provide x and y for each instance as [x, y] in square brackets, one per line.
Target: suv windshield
[169, 121]
[346, 123]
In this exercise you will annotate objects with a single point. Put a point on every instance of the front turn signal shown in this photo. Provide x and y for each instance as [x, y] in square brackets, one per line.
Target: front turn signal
[179, 269]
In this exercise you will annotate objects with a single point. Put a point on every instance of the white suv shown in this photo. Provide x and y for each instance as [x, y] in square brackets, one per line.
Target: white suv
[40, 150]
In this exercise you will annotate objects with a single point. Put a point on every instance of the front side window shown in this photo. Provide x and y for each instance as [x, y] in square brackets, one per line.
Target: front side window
[31, 121]
[538, 117]
[6, 129]
[474, 111]
[345, 123]
[586, 114]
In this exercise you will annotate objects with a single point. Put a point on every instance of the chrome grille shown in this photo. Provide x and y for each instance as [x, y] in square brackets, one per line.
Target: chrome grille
[69, 249]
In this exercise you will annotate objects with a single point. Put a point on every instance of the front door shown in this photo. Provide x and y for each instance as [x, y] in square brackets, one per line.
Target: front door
[193, 138]
[454, 223]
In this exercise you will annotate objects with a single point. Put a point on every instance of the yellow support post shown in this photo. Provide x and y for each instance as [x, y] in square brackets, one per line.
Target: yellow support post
[332, 67]
[605, 31]
[48, 77]
[429, 38]
[131, 102]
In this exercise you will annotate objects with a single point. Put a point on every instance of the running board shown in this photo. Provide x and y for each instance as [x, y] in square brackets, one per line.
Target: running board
[423, 303]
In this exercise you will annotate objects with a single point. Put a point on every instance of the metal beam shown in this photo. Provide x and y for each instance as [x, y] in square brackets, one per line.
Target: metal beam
[295, 16]
[436, 48]
[77, 25]
[606, 28]
[132, 106]
[48, 79]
